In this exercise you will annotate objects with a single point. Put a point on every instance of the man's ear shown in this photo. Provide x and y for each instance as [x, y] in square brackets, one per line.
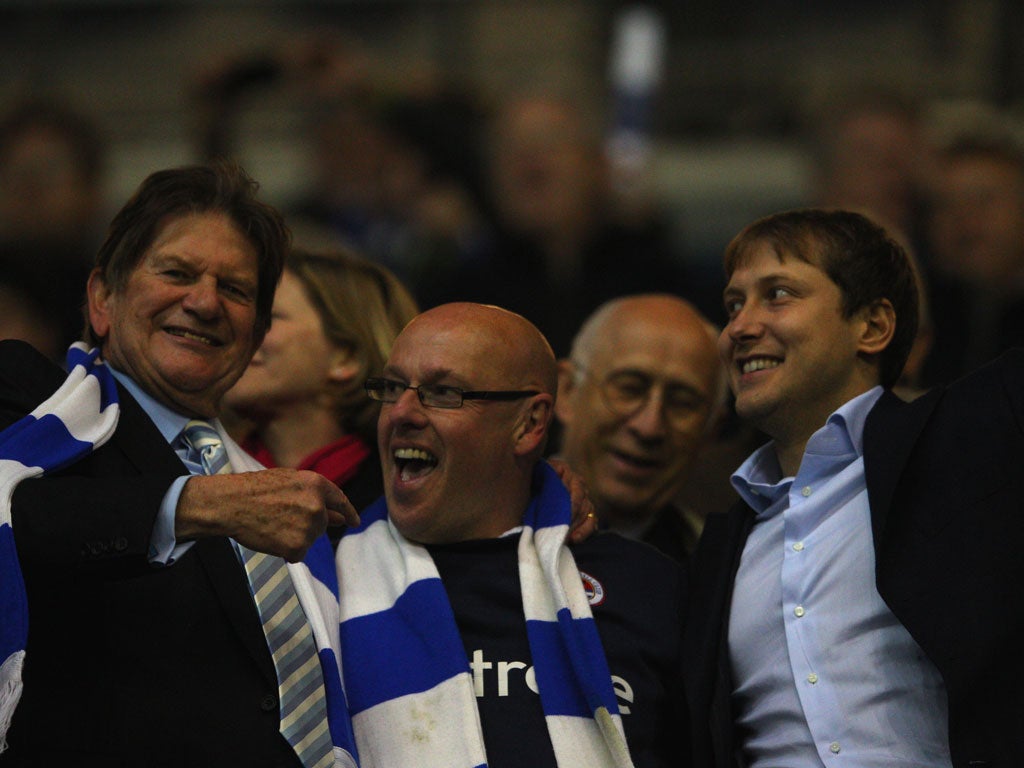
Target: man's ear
[566, 390]
[532, 428]
[879, 327]
[98, 295]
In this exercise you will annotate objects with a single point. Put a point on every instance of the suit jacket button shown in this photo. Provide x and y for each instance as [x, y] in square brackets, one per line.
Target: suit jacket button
[120, 544]
[268, 703]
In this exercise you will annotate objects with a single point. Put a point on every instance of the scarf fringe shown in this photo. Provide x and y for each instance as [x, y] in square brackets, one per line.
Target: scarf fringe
[10, 692]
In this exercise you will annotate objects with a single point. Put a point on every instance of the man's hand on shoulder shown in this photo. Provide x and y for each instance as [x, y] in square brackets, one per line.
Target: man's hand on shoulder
[584, 521]
[279, 511]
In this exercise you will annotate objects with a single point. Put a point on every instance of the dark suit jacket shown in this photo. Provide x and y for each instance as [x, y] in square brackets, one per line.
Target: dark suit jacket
[129, 664]
[948, 525]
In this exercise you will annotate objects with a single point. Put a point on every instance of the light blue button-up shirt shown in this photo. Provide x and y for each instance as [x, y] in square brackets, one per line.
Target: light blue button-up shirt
[163, 546]
[824, 674]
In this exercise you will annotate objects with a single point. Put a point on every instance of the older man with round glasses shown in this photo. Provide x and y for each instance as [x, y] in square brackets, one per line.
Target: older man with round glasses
[637, 399]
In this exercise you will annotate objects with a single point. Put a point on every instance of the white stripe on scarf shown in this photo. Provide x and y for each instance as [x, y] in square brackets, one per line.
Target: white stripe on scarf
[79, 417]
[410, 691]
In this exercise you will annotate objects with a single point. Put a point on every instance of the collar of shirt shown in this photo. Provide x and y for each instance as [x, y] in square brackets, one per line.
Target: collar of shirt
[759, 480]
[170, 423]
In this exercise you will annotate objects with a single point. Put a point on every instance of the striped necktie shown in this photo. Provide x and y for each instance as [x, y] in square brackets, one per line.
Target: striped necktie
[300, 683]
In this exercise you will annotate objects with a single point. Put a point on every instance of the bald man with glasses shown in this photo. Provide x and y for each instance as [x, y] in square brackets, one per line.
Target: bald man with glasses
[472, 631]
[637, 399]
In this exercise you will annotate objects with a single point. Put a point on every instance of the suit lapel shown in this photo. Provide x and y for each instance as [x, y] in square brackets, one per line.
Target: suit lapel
[706, 652]
[135, 429]
[229, 583]
[890, 433]
[216, 555]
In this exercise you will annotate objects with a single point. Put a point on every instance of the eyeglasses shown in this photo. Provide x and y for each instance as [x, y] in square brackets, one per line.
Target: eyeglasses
[627, 392]
[437, 395]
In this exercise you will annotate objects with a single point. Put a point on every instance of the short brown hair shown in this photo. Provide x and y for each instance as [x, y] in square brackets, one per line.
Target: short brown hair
[857, 255]
[221, 187]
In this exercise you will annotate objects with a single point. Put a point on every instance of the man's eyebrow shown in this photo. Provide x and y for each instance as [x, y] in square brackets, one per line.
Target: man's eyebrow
[430, 376]
[684, 386]
[770, 279]
[167, 256]
[668, 382]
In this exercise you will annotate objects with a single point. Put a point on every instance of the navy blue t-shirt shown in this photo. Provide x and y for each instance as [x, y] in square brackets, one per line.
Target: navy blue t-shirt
[637, 598]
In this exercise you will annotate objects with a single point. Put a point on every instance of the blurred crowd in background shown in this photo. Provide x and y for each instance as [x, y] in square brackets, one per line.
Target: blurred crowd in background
[527, 198]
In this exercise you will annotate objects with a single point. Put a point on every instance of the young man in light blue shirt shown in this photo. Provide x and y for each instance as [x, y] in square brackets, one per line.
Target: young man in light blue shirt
[858, 606]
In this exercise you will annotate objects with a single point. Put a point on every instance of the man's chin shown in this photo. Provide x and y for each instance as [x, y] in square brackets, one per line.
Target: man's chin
[197, 394]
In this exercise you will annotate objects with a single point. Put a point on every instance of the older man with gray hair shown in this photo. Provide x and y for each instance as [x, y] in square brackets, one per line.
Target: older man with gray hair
[638, 398]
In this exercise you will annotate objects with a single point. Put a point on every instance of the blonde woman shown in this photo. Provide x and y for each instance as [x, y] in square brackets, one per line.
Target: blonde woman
[301, 399]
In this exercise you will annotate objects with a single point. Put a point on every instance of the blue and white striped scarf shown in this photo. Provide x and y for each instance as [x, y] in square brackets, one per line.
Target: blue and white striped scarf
[406, 675]
[80, 416]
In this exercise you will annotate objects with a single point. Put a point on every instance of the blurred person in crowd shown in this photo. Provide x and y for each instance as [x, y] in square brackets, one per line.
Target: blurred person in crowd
[51, 200]
[145, 643]
[638, 399]
[26, 310]
[862, 601]
[537, 652]
[393, 168]
[870, 154]
[335, 317]
[561, 248]
[977, 240]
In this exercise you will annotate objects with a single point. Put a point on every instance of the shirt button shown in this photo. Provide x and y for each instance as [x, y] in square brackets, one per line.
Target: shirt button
[268, 703]
[834, 747]
[798, 547]
[798, 611]
[812, 678]
[805, 491]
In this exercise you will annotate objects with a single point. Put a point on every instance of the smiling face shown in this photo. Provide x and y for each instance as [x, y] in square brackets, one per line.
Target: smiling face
[792, 358]
[634, 464]
[183, 327]
[292, 369]
[464, 473]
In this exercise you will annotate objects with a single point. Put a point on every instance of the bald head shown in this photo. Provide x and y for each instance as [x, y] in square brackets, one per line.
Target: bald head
[455, 473]
[508, 349]
[636, 401]
[654, 308]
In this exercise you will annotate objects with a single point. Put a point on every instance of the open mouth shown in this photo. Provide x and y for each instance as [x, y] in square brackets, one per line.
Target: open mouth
[184, 333]
[414, 463]
[758, 364]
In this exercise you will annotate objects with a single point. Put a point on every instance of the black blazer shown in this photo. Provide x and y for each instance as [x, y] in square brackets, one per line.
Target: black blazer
[129, 664]
[948, 526]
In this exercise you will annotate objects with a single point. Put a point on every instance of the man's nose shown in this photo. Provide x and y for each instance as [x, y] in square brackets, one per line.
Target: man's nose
[202, 298]
[649, 420]
[406, 408]
[745, 322]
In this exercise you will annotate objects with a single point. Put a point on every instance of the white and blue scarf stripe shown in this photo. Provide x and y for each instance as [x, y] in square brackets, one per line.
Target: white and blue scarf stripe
[410, 692]
[79, 417]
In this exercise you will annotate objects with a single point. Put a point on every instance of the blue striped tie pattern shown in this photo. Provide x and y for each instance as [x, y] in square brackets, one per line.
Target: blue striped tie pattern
[300, 681]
